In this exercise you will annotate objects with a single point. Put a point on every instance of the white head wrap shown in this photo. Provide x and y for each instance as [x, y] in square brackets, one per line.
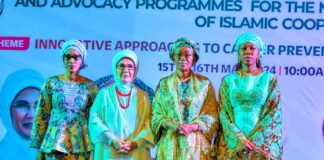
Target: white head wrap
[77, 45]
[124, 54]
[250, 37]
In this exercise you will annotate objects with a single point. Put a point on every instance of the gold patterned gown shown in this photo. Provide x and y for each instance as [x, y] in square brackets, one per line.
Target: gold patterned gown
[61, 121]
[201, 108]
[250, 110]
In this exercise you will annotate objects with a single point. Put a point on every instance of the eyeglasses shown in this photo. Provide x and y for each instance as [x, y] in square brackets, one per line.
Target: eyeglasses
[23, 105]
[186, 55]
[74, 57]
[123, 66]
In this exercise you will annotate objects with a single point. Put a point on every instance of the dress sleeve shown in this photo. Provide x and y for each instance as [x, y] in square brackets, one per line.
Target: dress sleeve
[267, 134]
[159, 115]
[99, 131]
[93, 93]
[43, 114]
[145, 137]
[208, 118]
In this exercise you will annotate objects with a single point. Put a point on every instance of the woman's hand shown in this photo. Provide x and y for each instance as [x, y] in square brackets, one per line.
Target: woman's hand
[182, 130]
[185, 129]
[250, 146]
[129, 146]
[117, 144]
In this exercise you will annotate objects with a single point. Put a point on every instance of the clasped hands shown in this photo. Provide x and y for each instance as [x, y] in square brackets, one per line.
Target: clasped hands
[183, 129]
[124, 146]
[249, 146]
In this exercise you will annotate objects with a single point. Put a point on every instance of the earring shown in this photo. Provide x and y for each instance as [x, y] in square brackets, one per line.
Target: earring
[257, 61]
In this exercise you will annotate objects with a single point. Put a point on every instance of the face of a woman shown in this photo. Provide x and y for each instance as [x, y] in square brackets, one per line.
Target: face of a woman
[184, 58]
[125, 70]
[72, 61]
[249, 54]
[22, 110]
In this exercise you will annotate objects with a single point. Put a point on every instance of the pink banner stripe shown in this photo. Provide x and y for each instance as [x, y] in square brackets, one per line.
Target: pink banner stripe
[14, 43]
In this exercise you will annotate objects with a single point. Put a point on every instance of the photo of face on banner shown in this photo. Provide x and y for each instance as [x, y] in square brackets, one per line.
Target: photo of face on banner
[22, 110]
[19, 95]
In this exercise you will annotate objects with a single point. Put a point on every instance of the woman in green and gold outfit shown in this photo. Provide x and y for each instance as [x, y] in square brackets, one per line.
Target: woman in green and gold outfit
[185, 110]
[250, 106]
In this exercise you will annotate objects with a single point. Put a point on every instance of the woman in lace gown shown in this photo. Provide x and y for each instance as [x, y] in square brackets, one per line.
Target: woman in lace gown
[60, 129]
[250, 106]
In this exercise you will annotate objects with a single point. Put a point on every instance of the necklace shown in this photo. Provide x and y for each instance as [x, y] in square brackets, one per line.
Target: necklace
[184, 80]
[119, 95]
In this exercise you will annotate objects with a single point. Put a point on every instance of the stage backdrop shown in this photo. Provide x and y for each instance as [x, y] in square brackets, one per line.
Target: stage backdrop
[33, 31]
